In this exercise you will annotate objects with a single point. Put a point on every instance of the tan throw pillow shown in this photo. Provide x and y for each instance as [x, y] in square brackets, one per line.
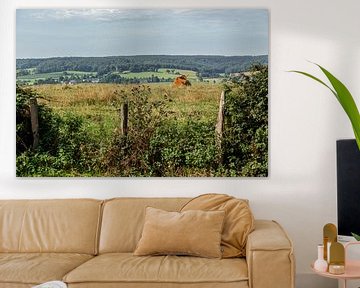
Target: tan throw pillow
[196, 233]
[239, 220]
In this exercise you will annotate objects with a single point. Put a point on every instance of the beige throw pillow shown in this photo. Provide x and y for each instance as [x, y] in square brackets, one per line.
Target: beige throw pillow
[194, 232]
[239, 220]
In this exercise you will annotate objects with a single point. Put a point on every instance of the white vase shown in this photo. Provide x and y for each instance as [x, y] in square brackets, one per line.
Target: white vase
[320, 264]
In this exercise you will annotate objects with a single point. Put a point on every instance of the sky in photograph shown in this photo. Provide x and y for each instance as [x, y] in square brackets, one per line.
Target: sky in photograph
[113, 32]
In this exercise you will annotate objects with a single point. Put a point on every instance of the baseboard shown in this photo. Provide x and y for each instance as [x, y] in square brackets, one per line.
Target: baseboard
[310, 280]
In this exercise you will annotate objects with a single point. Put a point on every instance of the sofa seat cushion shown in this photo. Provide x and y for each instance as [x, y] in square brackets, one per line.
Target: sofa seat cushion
[127, 268]
[36, 268]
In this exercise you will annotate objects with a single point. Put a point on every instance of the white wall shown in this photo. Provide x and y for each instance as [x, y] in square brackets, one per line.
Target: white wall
[305, 120]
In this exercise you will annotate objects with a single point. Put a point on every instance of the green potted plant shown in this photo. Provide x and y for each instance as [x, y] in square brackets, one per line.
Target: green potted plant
[346, 100]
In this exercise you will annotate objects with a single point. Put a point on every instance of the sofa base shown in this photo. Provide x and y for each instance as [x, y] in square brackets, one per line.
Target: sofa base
[242, 284]
[15, 285]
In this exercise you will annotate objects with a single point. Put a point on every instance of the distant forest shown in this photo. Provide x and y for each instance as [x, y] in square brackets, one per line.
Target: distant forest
[206, 65]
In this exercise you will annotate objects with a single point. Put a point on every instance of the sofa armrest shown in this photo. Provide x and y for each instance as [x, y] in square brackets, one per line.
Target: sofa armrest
[269, 256]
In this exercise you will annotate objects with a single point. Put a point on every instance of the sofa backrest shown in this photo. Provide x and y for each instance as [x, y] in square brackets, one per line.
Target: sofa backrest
[123, 220]
[67, 226]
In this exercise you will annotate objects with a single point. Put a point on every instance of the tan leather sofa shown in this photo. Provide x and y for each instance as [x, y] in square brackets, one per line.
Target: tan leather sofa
[89, 243]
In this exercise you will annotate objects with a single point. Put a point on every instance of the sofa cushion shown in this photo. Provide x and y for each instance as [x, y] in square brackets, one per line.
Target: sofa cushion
[36, 268]
[123, 220]
[126, 268]
[193, 232]
[63, 226]
[239, 220]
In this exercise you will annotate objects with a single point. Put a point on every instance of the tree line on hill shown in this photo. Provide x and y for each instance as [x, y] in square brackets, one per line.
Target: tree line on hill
[205, 65]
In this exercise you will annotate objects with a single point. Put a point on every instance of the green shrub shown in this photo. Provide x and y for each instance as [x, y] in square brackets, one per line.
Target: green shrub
[183, 149]
[128, 155]
[65, 146]
[245, 143]
[156, 144]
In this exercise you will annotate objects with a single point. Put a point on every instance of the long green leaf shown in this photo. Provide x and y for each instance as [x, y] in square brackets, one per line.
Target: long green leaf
[316, 79]
[357, 137]
[344, 97]
[347, 102]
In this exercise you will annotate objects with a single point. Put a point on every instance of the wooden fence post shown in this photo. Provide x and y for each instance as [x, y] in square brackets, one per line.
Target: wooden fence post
[124, 118]
[220, 125]
[34, 115]
[220, 120]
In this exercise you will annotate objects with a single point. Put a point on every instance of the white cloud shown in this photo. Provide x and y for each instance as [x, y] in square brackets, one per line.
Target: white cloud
[107, 14]
[90, 14]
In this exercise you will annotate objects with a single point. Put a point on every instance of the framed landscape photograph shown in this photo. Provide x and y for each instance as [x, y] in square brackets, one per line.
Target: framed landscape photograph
[142, 92]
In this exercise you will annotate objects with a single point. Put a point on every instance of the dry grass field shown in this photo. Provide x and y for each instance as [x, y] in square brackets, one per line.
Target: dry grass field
[95, 102]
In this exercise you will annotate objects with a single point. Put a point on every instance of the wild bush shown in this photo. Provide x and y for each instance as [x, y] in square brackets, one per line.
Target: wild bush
[48, 122]
[65, 147]
[128, 154]
[245, 143]
[183, 149]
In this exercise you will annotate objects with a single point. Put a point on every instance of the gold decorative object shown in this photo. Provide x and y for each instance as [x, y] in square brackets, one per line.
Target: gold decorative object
[330, 236]
[337, 258]
[336, 269]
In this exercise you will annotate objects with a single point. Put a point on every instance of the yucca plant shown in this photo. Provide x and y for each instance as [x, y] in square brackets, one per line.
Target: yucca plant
[346, 100]
[344, 97]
